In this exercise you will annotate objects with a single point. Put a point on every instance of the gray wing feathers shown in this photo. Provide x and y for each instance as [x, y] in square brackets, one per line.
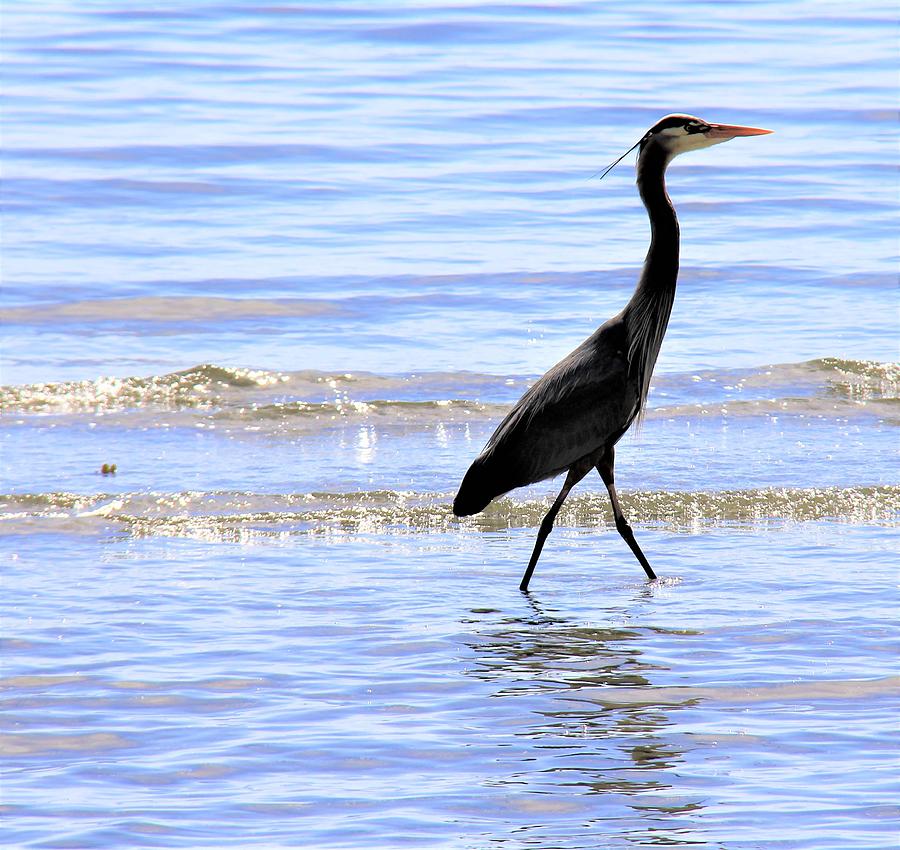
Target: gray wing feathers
[584, 402]
[569, 413]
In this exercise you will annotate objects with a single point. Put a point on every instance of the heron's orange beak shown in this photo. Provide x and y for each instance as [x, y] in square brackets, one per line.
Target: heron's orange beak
[730, 131]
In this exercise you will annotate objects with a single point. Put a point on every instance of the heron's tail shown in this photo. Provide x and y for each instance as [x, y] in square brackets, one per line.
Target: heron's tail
[479, 488]
[471, 498]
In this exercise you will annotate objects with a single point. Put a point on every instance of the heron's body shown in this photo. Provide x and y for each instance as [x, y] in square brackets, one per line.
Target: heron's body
[582, 405]
[571, 419]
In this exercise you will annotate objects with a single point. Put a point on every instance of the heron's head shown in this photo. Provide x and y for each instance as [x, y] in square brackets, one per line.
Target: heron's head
[676, 134]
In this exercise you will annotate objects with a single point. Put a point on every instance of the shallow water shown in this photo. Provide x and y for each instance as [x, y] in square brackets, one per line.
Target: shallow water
[286, 267]
[395, 689]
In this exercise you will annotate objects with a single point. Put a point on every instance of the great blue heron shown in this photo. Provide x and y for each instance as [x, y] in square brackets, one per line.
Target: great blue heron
[571, 419]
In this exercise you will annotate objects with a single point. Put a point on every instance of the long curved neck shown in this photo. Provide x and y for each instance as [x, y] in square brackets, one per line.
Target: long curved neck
[647, 314]
[661, 266]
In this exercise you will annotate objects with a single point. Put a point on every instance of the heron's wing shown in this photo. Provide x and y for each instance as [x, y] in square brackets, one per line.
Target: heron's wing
[583, 403]
[559, 423]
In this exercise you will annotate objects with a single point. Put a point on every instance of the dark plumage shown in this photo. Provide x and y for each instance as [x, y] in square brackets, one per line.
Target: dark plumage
[587, 392]
[571, 419]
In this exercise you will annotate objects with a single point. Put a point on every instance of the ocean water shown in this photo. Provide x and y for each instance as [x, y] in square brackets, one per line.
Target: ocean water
[286, 267]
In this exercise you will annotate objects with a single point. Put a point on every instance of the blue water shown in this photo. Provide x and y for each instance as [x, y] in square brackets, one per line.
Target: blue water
[286, 266]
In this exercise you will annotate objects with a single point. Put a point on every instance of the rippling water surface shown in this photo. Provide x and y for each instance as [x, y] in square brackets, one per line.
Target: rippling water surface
[286, 267]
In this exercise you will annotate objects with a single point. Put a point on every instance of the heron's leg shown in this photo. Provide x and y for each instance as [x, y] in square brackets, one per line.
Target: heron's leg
[605, 468]
[575, 474]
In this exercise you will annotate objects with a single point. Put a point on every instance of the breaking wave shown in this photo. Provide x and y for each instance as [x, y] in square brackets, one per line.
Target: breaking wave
[827, 387]
[240, 516]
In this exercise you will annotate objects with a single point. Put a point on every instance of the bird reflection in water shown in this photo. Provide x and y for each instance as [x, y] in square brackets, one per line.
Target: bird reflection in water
[586, 760]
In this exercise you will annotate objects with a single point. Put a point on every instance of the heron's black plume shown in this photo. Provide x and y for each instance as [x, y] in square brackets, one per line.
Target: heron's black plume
[611, 167]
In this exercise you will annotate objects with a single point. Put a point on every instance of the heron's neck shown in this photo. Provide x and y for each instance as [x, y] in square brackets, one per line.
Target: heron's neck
[647, 314]
[661, 266]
